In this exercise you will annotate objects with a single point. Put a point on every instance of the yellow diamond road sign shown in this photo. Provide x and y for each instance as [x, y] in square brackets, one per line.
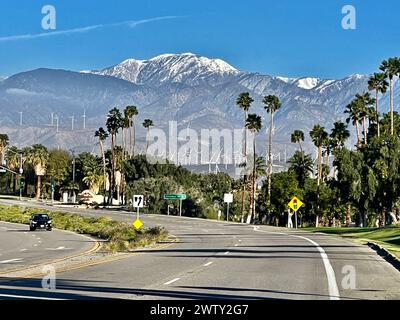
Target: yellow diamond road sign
[295, 204]
[138, 224]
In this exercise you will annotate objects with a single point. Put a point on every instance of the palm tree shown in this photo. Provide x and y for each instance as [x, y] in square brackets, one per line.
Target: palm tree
[298, 137]
[302, 166]
[364, 101]
[244, 102]
[339, 135]
[4, 142]
[114, 123]
[102, 135]
[391, 68]
[254, 124]
[14, 162]
[353, 109]
[318, 136]
[271, 105]
[38, 157]
[130, 113]
[378, 83]
[94, 178]
[147, 123]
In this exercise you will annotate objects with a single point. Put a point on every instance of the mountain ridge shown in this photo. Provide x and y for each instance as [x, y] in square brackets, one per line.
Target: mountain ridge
[188, 88]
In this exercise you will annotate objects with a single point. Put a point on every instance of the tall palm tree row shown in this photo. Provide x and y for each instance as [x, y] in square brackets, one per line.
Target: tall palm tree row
[114, 123]
[254, 124]
[244, 102]
[271, 105]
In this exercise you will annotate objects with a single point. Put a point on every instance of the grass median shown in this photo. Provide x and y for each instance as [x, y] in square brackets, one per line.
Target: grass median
[120, 236]
[389, 237]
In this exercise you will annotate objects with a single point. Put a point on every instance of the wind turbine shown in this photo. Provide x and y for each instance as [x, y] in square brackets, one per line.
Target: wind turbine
[20, 118]
[72, 122]
[84, 119]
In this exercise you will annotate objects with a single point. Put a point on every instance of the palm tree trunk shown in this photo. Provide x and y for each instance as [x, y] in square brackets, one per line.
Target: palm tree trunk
[244, 175]
[391, 108]
[270, 162]
[358, 134]
[348, 215]
[38, 187]
[319, 175]
[112, 182]
[104, 172]
[377, 113]
[147, 139]
[130, 137]
[365, 130]
[134, 137]
[254, 179]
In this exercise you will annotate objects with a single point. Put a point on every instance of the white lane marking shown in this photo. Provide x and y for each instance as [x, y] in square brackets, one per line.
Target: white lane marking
[208, 264]
[59, 248]
[10, 261]
[172, 281]
[330, 273]
[27, 297]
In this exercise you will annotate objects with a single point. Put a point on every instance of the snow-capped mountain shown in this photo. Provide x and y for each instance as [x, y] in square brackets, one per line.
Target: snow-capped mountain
[193, 90]
[307, 83]
[185, 68]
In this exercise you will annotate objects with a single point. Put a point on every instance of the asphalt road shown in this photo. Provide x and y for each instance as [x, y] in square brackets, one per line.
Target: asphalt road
[20, 247]
[217, 260]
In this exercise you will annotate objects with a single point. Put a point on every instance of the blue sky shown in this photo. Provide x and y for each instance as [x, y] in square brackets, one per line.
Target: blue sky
[285, 37]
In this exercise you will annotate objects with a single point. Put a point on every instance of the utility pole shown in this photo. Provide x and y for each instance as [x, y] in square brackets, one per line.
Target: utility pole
[73, 165]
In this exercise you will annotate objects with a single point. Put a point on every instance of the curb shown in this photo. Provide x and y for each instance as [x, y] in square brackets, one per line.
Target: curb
[385, 254]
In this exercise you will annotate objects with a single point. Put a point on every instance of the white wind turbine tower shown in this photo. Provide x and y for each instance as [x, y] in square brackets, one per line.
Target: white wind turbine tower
[84, 119]
[72, 122]
[57, 121]
[52, 118]
[20, 117]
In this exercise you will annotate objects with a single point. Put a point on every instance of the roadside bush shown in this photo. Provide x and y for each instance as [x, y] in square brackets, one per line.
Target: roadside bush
[120, 236]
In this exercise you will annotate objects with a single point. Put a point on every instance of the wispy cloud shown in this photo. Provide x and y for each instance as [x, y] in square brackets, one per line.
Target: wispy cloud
[130, 24]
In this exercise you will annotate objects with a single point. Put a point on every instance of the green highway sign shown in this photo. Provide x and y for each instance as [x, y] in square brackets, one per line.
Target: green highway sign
[174, 196]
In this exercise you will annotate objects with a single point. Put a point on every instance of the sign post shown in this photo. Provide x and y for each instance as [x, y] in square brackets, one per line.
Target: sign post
[179, 197]
[295, 204]
[228, 199]
[138, 202]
